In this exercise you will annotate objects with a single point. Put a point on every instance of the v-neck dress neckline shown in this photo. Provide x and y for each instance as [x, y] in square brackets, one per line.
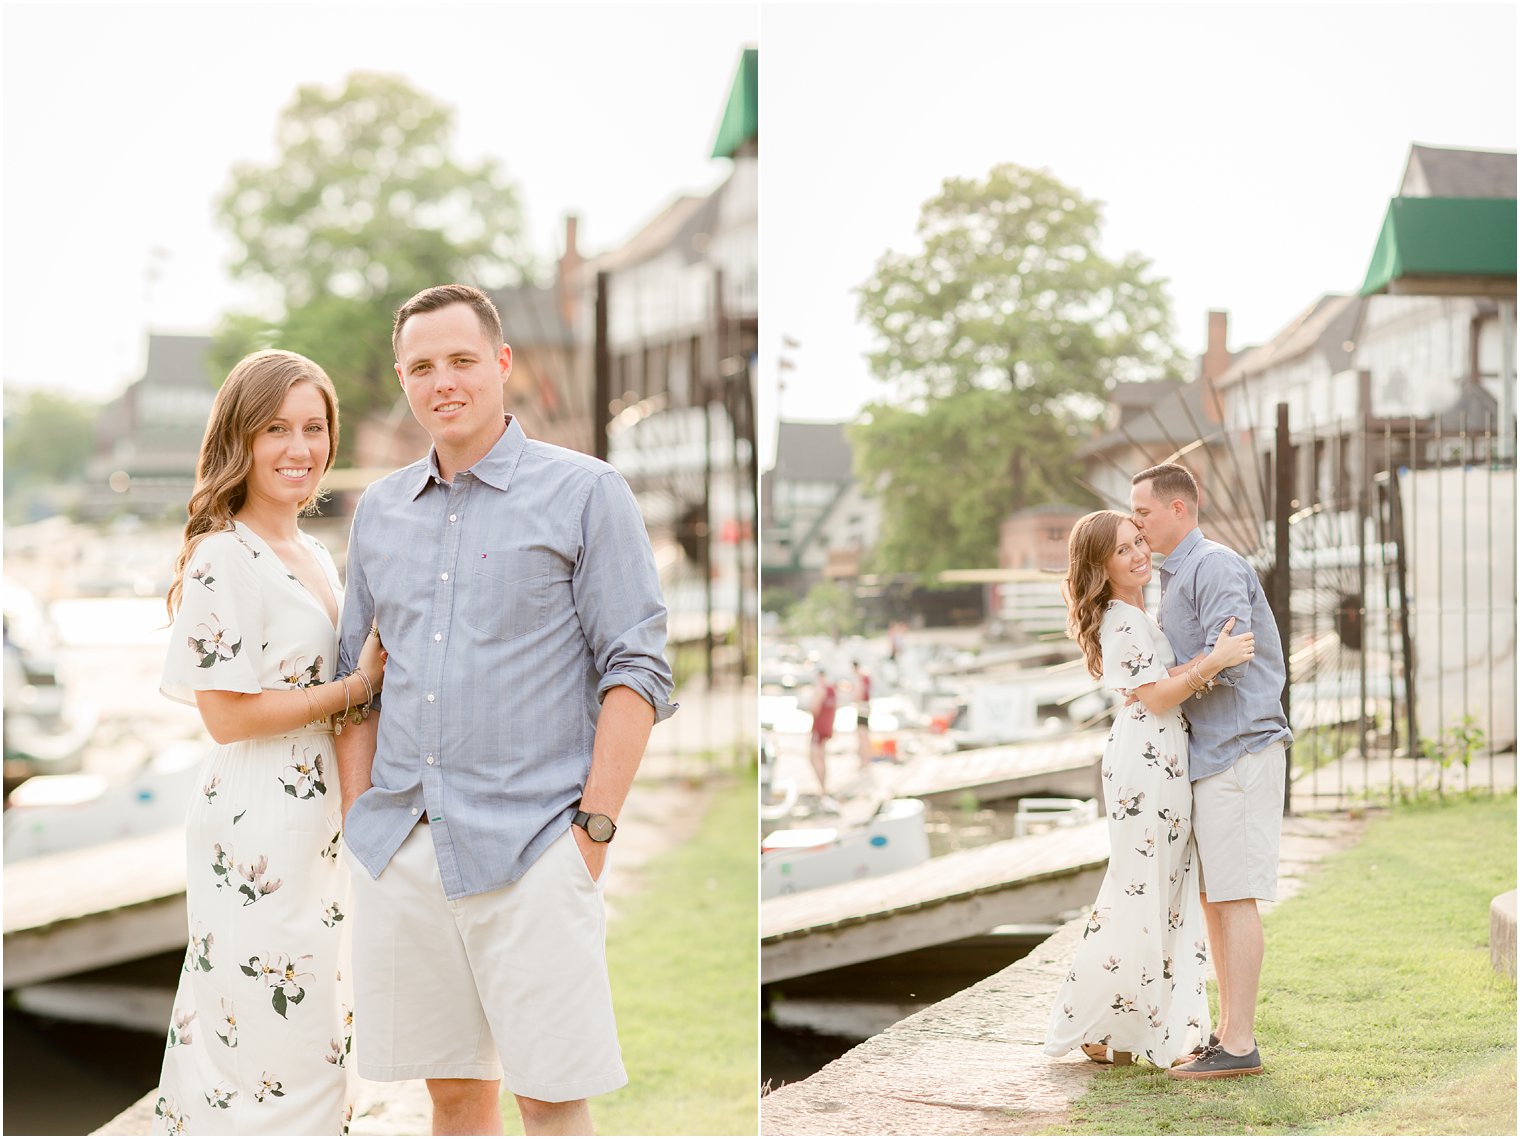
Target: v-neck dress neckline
[246, 531]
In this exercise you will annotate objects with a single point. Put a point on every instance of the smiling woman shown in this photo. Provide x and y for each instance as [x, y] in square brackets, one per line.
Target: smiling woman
[262, 1021]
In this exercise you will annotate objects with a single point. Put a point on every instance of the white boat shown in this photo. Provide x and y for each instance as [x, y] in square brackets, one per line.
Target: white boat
[795, 860]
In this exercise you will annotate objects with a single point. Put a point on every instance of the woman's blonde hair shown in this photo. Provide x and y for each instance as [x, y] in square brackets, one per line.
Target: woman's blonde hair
[1086, 588]
[249, 399]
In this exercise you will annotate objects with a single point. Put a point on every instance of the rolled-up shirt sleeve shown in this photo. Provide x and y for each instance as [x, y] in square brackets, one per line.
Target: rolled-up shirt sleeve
[1224, 591]
[617, 596]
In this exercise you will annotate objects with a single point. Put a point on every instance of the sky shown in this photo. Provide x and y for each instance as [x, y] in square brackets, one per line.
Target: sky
[1248, 149]
[123, 120]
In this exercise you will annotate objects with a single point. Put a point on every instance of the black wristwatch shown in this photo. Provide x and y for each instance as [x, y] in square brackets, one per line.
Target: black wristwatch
[599, 828]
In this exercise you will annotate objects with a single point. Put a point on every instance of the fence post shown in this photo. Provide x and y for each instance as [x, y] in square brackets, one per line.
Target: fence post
[1282, 508]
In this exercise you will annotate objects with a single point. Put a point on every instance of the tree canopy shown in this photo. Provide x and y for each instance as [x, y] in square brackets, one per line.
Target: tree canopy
[998, 338]
[362, 207]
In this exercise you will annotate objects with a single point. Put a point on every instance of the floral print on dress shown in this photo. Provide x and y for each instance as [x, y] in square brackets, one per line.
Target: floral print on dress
[179, 1030]
[263, 994]
[284, 978]
[226, 1030]
[300, 675]
[254, 885]
[1133, 984]
[303, 777]
[215, 645]
[167, 1111]
[198, 954]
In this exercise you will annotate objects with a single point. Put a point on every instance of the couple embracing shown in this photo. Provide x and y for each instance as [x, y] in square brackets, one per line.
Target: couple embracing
[522, 668]
[1193, 782]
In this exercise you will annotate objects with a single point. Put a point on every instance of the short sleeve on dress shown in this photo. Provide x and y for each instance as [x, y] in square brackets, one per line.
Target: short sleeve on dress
[1130, 658]
[217, 640]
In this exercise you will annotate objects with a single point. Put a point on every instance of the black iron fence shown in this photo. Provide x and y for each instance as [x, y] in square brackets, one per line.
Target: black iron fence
[1398, 605]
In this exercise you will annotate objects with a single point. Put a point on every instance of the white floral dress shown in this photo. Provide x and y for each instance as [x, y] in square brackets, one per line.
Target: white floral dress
[1138, 981]
[262, 1031]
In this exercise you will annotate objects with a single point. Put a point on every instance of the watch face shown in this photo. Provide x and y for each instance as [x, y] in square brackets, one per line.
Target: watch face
[599, 827]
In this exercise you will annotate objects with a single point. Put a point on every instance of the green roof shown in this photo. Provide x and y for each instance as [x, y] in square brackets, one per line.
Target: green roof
[741, 118]
[1445, 247]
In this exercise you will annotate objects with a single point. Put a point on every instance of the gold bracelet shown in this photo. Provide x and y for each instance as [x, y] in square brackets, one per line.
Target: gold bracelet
[369, 688]
[311, 706]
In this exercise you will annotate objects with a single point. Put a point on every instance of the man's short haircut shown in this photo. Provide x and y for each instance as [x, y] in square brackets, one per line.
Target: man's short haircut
[441, 296]
[1169, 481]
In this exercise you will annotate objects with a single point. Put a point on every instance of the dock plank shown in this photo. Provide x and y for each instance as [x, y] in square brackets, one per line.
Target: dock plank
[83, 909]
[1062, 764]
[958, 895]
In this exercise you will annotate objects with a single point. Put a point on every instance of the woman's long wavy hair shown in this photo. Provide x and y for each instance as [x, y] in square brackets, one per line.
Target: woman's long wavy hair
[249, 399]
[1086, 588]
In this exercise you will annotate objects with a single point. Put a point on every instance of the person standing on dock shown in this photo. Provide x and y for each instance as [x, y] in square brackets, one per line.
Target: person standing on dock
[1137, 986]
[861, 684]
[516, 590]
[1237, 758]
[825, 705]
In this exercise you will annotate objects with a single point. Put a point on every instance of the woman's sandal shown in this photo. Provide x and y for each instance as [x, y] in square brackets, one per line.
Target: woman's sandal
[1100, 1053]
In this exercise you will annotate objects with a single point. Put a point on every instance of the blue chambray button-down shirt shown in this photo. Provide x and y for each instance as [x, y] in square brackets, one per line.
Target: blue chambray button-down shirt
[1203, 585]
[510, 601]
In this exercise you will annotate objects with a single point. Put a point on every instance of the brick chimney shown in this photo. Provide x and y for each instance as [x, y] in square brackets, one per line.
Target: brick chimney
[567, 272]
[1216, 357]
[1216, 360]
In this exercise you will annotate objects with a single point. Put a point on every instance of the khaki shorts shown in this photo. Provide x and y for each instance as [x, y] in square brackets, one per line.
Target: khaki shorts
[510, 984]
[1237, 821]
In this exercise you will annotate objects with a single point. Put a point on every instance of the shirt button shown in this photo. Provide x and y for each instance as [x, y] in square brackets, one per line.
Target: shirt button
[437, 636]
[444, 576]
[453, 518]
[414, 810]
[431, 761]
[430, 697]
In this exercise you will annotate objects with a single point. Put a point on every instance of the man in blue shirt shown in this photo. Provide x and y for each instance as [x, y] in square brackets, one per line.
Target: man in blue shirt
[1236, 750]
[513, 585]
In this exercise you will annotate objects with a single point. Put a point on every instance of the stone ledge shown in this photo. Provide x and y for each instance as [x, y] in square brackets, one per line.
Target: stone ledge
[972, 1064]
[1501, 934]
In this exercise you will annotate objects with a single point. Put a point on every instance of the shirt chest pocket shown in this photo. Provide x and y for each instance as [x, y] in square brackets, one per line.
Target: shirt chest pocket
[510, 591]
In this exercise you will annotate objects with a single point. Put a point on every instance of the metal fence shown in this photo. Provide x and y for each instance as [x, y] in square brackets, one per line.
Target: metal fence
[1398, 607]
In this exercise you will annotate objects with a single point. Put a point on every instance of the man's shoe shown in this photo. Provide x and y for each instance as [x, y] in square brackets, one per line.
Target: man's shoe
[1216, 1064]
[1198, 1050]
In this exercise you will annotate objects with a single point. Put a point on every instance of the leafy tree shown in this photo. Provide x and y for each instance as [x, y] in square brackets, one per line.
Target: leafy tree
[828, 609]
[363, 207]
[999, 339]
[48, 440]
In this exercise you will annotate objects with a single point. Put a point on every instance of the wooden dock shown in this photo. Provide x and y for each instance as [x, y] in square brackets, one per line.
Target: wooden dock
[83, 909]
[1063, 766]
[1017, 881]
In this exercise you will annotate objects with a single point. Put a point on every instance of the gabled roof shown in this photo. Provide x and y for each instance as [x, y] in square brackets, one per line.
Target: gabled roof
[1447, 172]
[1326, 326]
[813, 452]
[179, 361]
[530, 316]
[1156, 412]
[674, 227]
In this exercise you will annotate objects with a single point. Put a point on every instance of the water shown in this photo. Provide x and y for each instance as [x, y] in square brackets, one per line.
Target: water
[808, 1022]
[65, 1077]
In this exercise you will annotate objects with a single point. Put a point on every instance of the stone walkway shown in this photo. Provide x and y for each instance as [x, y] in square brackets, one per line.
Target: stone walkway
[973, 1064]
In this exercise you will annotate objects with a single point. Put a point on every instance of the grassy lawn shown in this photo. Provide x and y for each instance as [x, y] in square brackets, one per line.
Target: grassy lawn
[1379, 1011]
[684, 954]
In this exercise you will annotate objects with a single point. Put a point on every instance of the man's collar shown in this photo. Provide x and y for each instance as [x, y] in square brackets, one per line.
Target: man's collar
[494, 469]
[1173, 561]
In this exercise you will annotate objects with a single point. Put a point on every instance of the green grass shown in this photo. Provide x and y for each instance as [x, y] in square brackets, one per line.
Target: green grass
[1379, 1012]
[684, 955]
